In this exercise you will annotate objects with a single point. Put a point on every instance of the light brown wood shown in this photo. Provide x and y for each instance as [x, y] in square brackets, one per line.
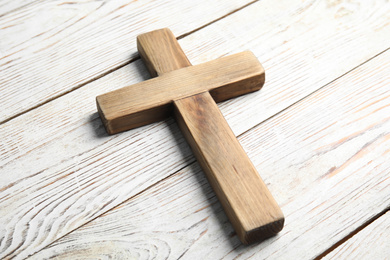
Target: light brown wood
[161, 52]
[245, 198]
[248, 203]
[151, 100]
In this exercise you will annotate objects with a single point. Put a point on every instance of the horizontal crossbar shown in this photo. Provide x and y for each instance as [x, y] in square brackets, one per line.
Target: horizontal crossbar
[150, 101]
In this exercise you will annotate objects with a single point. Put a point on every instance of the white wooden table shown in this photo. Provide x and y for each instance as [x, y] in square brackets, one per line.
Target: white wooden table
[318, 132]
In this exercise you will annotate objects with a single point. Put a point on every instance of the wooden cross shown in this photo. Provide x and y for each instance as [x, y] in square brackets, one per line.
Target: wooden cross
[190, 93]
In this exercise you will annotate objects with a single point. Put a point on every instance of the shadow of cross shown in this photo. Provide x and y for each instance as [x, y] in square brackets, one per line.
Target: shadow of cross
[189, 92]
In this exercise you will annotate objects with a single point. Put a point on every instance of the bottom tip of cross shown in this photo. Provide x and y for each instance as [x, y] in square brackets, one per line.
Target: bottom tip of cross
[261, 233]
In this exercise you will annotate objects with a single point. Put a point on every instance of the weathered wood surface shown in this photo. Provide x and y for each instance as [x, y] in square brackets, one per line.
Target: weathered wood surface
[11, 6]
[326, 158]
[59, 170]
[370, 243]
[52, 47]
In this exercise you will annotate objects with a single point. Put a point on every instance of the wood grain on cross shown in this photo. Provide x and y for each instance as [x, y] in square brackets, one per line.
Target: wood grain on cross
[189, 92]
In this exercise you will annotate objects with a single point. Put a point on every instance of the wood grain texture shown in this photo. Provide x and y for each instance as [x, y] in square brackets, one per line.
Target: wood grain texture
[11, 6]
[151, 100]
[161, 52]
[331, 151]
[53, 47]
[101, 172]
[370, 243]
[253, 211]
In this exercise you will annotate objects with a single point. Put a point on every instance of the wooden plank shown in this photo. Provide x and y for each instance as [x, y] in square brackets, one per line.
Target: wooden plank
[10, 6]
[326, 159]
[51, 193]
[152, 100]
[250, 206]
[53, 47]
[370, 243]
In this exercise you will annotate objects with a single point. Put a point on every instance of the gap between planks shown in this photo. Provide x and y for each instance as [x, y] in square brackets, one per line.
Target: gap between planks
[118, 206]
[349, 67]
[353, 233]
[376, 236]
[103, 74]
[322, 255]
